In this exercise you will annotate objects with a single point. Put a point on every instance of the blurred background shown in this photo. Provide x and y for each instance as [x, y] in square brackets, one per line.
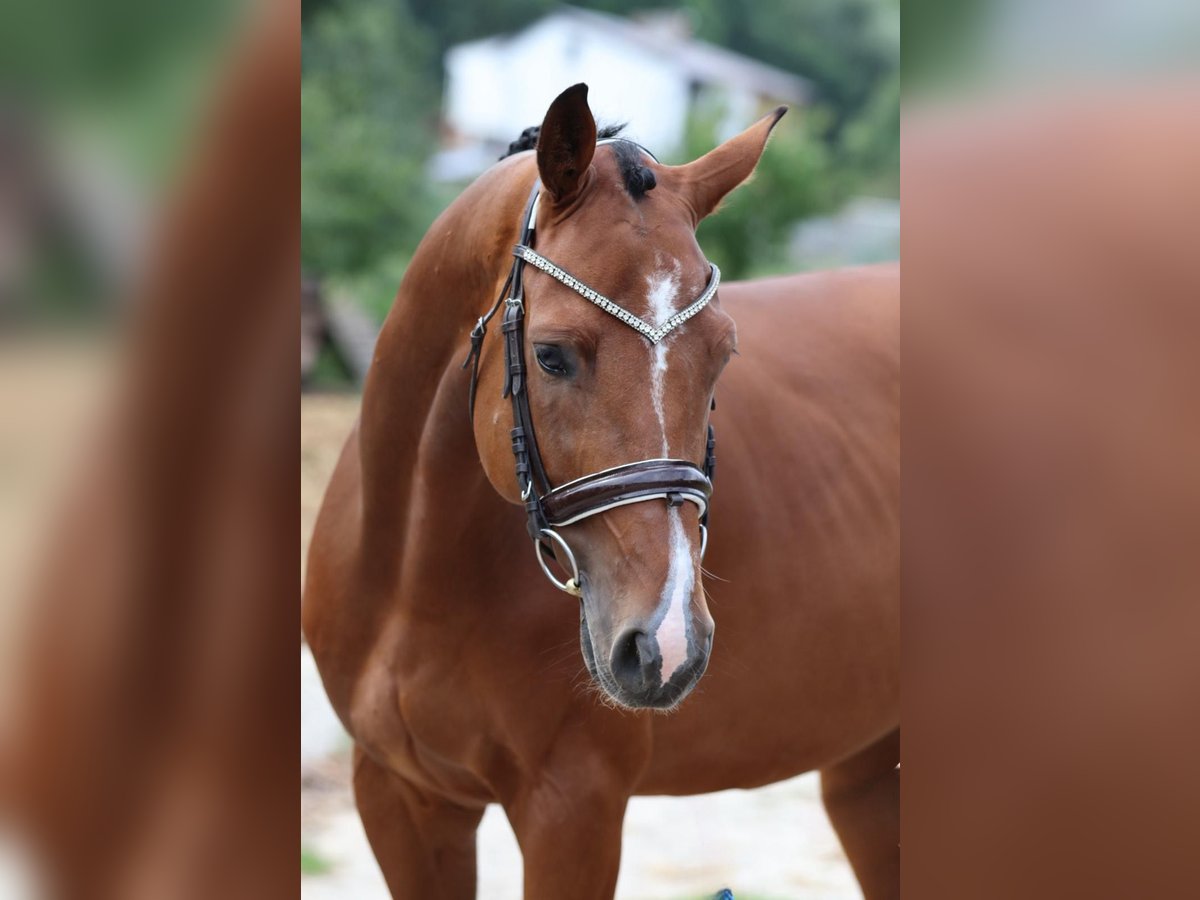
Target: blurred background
[404, 102]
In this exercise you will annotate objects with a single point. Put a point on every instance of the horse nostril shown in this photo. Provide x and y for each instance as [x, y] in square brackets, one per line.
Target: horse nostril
[635, 661]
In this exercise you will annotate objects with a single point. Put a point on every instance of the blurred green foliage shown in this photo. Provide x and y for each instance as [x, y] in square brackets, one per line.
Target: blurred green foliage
[368, 125]
[67, 51]
[846, 48]
[313, 864]
[371, 93]
[795, 178]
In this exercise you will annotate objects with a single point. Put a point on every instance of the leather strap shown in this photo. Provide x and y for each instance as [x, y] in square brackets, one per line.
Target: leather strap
[478, 333]
[513, 282]
[675, 480]
[531, 475]
[710, 455]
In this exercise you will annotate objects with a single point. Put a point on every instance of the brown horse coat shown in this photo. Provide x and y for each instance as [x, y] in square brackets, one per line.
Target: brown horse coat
[455, 665]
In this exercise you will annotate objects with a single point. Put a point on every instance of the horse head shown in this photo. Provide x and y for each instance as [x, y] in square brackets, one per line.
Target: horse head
[603, 393]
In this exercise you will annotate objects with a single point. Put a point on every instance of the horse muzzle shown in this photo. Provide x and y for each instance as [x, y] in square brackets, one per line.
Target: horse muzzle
[631, 666]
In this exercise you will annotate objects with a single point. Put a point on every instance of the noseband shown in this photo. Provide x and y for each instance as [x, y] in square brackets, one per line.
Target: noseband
[547, 507]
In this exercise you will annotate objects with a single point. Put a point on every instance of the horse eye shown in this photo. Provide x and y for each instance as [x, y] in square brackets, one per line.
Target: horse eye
[552, 359]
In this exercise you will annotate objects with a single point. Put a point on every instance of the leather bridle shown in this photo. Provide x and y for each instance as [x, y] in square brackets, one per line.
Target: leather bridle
[548, 507]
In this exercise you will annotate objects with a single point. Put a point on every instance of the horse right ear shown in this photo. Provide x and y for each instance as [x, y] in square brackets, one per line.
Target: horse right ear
[566, 143]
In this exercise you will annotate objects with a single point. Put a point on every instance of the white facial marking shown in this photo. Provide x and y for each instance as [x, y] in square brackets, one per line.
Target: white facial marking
[662, 291]
[677, 593]
[661, 297]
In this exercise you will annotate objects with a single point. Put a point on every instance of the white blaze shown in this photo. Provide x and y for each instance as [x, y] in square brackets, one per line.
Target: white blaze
[663, 289]
[661, 296]
[681, 576]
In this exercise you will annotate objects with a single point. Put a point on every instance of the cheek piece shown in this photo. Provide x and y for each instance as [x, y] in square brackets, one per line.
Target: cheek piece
[547, 507]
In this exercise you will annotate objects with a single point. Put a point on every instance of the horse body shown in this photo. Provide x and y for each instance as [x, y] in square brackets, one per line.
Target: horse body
[455, 665]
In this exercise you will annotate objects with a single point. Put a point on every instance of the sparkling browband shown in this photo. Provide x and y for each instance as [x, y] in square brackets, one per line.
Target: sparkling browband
[650, 332]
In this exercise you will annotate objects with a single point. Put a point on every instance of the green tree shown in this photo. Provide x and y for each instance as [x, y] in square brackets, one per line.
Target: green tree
[870, 143]
[846, 48]
[368, 124]
[796, 177]
[370, 95]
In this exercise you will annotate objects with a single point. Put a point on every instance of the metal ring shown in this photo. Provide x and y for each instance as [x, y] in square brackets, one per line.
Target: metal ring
[703, 540]
[571, 585]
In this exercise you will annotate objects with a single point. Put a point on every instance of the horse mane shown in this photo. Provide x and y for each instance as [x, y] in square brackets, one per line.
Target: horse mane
[637, 176]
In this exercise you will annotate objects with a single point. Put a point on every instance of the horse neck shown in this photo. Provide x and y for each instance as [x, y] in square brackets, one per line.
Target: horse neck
[452, 279]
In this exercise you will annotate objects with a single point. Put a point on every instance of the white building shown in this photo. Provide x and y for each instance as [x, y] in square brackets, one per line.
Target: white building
[646, 71]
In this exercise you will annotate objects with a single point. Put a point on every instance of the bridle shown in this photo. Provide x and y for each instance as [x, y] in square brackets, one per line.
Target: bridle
[548, 507]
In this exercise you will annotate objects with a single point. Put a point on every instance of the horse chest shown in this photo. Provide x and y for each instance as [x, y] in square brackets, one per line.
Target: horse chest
[401, 714]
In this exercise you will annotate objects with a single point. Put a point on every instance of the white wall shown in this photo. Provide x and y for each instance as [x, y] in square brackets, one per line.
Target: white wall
[496, 88]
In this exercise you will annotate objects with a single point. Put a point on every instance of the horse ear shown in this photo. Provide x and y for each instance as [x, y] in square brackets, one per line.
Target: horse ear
[566, 143]
[705, 182]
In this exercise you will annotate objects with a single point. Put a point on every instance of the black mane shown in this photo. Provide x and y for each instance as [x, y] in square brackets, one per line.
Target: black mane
[637, 176]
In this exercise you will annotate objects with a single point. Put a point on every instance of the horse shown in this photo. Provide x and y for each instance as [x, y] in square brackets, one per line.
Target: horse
[446, 652]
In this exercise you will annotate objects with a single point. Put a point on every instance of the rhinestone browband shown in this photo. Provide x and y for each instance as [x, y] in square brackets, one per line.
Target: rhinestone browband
[650, 332]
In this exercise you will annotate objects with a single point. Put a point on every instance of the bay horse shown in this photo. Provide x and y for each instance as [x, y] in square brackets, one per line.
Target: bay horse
[446, 652]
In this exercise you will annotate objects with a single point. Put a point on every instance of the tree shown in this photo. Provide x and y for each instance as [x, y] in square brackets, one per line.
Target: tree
[845, 47]
[368, 123]
[795, 178]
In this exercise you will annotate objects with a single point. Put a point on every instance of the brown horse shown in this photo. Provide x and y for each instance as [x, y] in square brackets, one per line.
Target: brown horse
[443, 648]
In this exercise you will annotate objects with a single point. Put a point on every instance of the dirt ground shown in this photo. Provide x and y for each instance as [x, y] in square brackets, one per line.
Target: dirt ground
[325, 420]
[773, 843]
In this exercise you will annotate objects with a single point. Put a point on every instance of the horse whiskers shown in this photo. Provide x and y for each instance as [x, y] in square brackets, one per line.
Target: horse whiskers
[565, 659]
[708, 574]
[563, 650]
[590, 686]
[708, 592]
[559, 647]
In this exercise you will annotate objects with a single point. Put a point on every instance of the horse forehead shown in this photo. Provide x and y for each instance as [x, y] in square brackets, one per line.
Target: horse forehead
[657, 212]
[640, 254]
[644, 278]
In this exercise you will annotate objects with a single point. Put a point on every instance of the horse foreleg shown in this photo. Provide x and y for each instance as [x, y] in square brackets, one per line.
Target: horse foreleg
[570, 837]
[424, 845]
[862, 798]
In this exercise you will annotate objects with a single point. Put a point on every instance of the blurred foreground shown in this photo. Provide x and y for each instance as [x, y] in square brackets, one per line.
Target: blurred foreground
[148, 742]
[1052, 495]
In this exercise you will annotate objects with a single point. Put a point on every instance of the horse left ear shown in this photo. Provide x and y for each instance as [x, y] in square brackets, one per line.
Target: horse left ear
[705, 182]
[566, 143]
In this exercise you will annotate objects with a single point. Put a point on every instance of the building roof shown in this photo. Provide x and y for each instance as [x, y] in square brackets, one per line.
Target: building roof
[701, 61]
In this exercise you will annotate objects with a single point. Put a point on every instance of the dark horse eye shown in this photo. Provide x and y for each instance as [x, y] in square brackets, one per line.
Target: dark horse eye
[552, 359]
